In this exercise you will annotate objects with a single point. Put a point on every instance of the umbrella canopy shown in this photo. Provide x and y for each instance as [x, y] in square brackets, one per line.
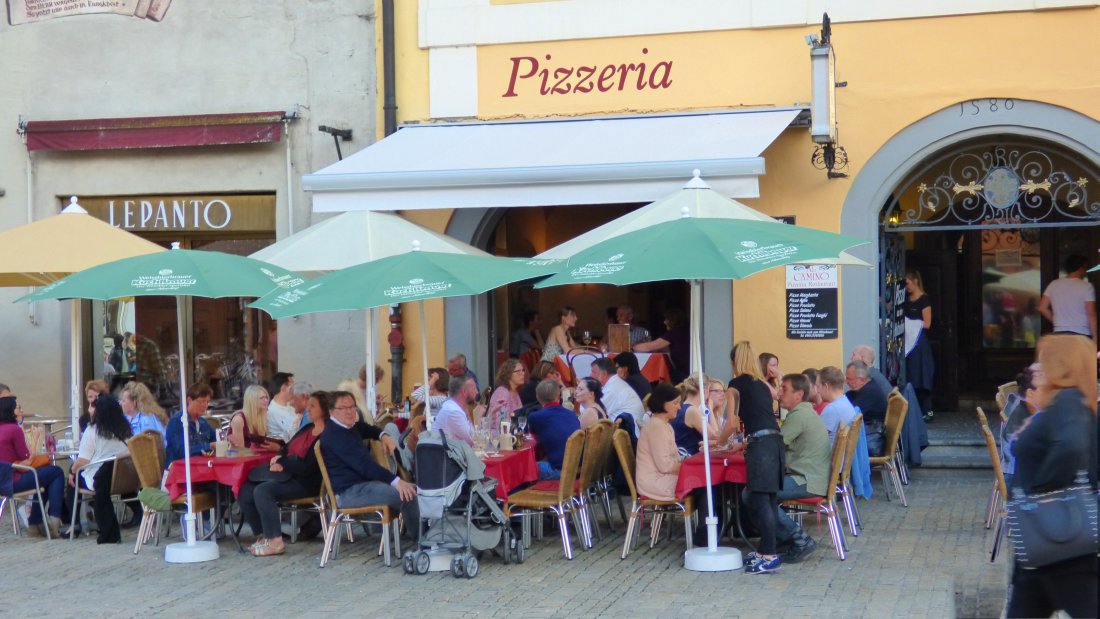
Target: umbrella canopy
[1095, 268]
[46, 250]
[412, 276]
[179, 273]
[698, 248]
[353, 238]
[700, 201]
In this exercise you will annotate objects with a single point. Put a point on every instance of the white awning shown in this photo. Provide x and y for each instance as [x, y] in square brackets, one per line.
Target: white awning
[551, 162]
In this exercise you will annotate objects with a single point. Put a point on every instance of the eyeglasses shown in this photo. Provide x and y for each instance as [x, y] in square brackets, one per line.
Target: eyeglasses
[344, 408]
[716, 391]
[519, 371]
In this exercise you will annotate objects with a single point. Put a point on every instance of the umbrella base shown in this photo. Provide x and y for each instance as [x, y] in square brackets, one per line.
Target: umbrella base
[182, 552]
[721, 559]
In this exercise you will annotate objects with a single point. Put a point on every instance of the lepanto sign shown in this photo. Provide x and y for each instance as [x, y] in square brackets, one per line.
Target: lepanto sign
[30, 11]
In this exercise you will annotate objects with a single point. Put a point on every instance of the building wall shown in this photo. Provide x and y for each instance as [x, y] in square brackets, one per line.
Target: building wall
[205, 57]
[902, 62]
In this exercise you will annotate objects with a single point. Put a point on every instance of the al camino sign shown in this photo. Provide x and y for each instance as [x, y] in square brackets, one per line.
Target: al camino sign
[186, 213]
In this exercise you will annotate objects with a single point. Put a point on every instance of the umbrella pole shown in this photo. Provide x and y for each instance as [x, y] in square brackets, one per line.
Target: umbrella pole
[712, 558]
[76, 367]
[424, 359]
[372, 388]
[190, 551]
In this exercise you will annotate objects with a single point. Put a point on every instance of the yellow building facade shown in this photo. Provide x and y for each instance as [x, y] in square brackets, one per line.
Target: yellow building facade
[923, 87]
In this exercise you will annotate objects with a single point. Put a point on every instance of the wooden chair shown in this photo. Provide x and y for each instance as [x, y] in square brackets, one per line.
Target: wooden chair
[557, 498]
[1003, 391]
[827, 504]
[999, 493]
[582, 352]
[896, 409]
[344, 517]
[147, 452]
[603, 486]
[640, 504]
[25, 496]
[844, 484]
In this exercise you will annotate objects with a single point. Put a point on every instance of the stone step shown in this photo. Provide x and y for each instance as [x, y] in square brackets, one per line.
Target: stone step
[956, 456]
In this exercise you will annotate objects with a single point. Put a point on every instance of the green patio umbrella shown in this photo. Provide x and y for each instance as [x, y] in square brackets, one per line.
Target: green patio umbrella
[412, 276]
[179, 273]
[698, 248]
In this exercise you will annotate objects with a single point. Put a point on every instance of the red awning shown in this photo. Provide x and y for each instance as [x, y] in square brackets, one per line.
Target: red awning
[154, 131]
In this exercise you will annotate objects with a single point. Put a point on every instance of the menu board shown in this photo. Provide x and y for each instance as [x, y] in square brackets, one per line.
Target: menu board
[812, 302]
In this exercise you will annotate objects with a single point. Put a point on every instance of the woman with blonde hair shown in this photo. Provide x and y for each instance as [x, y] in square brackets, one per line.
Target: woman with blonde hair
[141, 409]
[1050, 449]
[687, 425]
[248, 426]
[764, 454]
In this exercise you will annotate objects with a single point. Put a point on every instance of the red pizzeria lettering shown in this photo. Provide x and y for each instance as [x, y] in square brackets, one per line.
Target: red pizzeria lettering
[586, 78]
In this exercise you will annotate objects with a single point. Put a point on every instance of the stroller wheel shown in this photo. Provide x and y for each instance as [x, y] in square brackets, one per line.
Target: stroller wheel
[409, 562]
[521, 551]
[471, 566]
[509, 541]
[458, 567]
[423, 561]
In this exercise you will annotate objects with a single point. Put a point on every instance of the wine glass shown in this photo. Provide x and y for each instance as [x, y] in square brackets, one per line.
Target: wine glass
[586, 338]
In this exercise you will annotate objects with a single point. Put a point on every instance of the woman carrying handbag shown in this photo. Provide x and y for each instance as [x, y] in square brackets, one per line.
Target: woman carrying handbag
[1052, 451]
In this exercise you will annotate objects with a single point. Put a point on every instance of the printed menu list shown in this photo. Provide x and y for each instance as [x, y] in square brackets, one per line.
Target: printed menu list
[812, 302]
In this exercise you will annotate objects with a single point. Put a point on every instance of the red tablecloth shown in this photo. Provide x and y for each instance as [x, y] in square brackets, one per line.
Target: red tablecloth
[232, 472]
[511, 469]
[723, 468]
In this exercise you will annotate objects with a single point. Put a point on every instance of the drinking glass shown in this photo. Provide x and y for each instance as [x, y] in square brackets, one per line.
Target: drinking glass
[586, 337]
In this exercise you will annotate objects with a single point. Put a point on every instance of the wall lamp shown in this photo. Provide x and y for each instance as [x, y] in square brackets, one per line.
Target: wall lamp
[827, 155]
[337, 135]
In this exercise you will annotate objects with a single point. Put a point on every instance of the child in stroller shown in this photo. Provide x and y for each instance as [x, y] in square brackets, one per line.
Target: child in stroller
[458, 508]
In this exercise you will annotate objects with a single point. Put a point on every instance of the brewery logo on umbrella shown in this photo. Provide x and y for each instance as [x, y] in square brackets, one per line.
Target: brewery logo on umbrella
[165, 280]
[614, 264]
[768, 254]
[417, 287]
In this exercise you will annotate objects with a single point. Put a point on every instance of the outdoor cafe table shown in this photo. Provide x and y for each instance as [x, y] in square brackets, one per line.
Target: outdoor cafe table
[511, 469]
[725, 467]
[229, 471]
[654, 366]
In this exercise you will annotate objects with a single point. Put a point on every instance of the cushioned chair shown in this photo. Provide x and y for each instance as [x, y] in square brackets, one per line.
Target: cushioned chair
[844, 484]
[344, 517]
[9, 497]
[826, 505]
[896, 409]
[556, 497]
[147, 453]
[640, 505]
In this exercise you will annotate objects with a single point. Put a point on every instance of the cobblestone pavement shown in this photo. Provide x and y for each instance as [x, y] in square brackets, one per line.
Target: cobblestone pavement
[927, 560]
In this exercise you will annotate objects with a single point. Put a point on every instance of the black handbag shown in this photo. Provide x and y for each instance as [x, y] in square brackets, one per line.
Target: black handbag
[1054, 526]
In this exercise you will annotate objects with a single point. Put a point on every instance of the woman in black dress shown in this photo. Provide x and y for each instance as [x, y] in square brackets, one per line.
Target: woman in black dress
[764, 454]
[919, 366]
[1052, 447]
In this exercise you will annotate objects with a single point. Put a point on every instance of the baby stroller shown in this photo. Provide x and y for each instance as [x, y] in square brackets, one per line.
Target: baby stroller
[458, 508]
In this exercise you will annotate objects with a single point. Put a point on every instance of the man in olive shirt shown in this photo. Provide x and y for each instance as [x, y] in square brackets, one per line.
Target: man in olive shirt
[808, 462]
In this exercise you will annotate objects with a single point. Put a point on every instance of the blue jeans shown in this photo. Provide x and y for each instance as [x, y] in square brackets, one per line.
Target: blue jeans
[52, 481]
[547, 471]
[367, 493]
[785, 526]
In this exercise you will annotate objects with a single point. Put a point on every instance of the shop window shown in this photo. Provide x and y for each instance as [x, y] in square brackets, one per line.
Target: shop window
[1011, 288]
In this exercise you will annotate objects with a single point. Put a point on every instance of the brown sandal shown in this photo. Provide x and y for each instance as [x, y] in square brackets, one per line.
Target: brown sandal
[265, 549]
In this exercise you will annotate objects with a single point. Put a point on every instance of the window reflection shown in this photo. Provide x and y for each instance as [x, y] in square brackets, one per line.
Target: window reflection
[1011, 288]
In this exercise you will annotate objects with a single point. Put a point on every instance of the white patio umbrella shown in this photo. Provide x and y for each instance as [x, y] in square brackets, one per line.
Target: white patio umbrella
[354, 238]
[44, 251]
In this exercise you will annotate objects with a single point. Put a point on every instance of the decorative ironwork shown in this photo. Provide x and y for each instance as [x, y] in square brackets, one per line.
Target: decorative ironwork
[996, 185]
[891, 320]
[830, 157]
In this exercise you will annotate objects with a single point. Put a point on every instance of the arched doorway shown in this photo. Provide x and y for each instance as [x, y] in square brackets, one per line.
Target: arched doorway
[987, 205]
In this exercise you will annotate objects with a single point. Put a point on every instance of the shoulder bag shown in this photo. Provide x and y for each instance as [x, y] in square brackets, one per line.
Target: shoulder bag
[1053, 526]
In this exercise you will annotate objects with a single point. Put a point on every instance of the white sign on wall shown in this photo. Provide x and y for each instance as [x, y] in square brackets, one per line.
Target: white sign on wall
[30, 11]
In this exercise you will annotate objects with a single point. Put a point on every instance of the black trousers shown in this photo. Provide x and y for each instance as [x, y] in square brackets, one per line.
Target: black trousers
[260, 504]
[102, 506]
[762, 506]
[1070, 586]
